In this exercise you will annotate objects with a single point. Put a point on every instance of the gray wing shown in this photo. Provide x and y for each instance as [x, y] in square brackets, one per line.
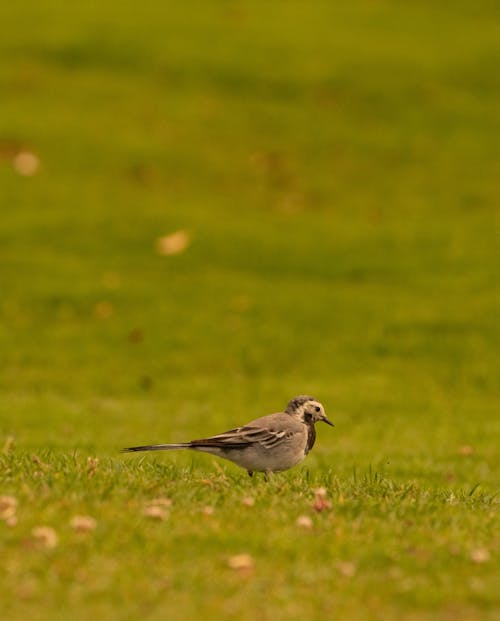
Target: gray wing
[243, 437]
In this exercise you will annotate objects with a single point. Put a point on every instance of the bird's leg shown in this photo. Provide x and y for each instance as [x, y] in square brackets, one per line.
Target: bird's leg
[250, 473]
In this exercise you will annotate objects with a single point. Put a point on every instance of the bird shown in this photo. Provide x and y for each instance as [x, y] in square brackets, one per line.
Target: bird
[272, 443]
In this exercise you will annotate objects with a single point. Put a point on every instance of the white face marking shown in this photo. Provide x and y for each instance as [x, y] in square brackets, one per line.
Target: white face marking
[307, 410]
[310, 412]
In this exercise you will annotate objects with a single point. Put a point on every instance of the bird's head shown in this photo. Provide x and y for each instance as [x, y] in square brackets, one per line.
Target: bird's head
[306, 409]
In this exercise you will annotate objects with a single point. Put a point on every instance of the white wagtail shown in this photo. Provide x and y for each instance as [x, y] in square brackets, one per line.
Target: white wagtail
[267, 444]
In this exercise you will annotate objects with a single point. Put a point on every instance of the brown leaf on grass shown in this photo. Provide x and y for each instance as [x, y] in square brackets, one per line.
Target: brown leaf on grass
[304, 521]
[480, 555]
[26, 163]
[174, 243]
[155, 512]
[83, 523]
[8, 508]
[346, 568]
[241, 562]
[208, 510]
[248, 501]
[7, 502]
[321, 492]
[466, 450]
[321, 502]
[44, 537]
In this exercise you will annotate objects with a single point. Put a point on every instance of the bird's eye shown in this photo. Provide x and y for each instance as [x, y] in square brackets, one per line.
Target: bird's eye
[317, 408]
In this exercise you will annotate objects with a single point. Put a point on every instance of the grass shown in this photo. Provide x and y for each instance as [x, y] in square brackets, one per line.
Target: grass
[335, 168]
[393, 548]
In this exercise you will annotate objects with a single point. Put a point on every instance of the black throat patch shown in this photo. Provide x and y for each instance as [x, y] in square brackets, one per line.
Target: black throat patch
[311, 437]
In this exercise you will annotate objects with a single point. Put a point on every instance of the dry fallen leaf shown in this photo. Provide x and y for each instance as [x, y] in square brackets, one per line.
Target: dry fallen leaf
[83, 523]
[26, 163]
[321, 502]
[321, 492]
[156, 512]
[304, 521]
[346, 568]
[208, 510]
[479, 555]
[466, 450]
[248, 501]
[240, 562]
[8, 507]
[174, 243]
[45, 537]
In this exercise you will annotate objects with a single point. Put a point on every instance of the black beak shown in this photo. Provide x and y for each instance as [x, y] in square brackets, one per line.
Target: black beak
[328, 422]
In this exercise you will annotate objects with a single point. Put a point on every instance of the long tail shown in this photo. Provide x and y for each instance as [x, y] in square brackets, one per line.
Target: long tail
[156, 447]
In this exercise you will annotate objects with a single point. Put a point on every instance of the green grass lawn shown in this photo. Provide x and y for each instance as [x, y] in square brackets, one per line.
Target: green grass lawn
[335, 168]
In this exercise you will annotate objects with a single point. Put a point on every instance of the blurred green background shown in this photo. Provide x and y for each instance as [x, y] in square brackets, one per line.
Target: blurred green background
[334, 167]
[207, 208]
